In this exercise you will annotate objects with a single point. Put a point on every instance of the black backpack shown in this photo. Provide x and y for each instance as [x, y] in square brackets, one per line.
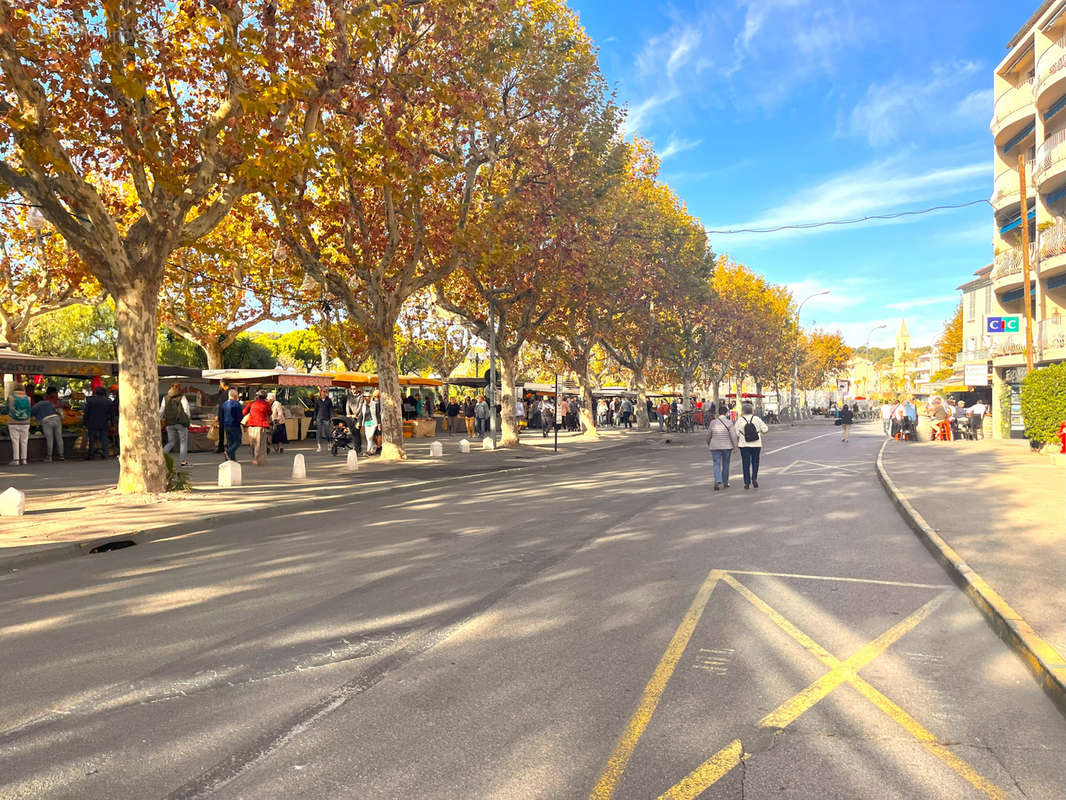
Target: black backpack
[751, 433]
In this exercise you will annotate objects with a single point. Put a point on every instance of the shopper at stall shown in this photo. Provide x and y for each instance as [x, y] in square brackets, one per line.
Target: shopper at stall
[279, 435]
[258, 413]
[51, 424]
[18, 407]
[98, 417]
[174, 411]
[323, 413]
[231, 414]
[453, 416]
[223, 396]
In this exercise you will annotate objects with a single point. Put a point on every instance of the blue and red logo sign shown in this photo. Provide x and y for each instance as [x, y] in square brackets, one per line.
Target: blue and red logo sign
[1004, 324]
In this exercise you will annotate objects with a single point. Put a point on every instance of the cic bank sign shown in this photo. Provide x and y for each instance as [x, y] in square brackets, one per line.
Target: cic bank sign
[1004, 325]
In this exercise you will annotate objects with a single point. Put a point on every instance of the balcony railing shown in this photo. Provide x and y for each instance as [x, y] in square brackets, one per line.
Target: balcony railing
[972, 355]
[1051, 61]
[1012, 101]
[1009, 262]
[1051, 151]
[1051, 333]
[1006, 185]
[1053, 240]
[1012, 345]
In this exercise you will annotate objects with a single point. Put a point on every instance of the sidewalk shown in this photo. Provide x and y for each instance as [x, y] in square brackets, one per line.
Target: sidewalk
[71, 506]
[1002, 510]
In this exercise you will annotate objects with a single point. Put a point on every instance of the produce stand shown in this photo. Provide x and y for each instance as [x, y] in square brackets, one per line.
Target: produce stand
[297, 424]
[15, 366]
[424, 427]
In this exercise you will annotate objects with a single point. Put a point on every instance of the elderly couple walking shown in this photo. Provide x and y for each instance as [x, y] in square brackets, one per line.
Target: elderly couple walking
[724, 437]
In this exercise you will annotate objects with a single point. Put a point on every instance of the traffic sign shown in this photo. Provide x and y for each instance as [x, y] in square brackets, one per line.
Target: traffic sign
[1004, 324]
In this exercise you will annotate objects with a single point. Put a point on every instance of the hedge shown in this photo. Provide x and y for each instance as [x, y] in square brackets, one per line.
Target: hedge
[1044, 403]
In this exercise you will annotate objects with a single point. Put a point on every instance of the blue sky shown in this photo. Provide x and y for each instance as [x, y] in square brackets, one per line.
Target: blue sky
[769, 112]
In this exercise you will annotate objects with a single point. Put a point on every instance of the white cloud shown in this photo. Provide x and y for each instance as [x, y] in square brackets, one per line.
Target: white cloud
[638, 115]
[877, 188]
[923, 331]
[900, 106]
[675, 146]
[843, 293]
[922, 302]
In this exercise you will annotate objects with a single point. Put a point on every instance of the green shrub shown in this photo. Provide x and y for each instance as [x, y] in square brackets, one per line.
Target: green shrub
[1044, 403]
[177, 479]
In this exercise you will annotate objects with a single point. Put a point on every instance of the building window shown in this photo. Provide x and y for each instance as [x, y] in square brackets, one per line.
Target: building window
[988, 300]
[972, 306]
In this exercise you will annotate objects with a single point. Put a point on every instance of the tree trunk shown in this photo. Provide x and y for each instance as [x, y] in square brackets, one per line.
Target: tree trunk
[643, 423]
[686, 388]
[392, 448]
[141, 466]
[213, 351]
[585, 414]
[9, 332]
[758, 400]
[508, 422]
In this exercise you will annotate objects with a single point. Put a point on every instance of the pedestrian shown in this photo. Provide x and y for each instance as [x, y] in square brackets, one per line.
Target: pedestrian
[174, 411]
[98, 417]
[468, 415]
[223, 396]
[751, 428]
[481, 416]
[51, 425]
[519, 414]
[547, 416]
[960, 424]
[231, 433]
[18, 408]
[722, 442]
[323, 413]
[372, 421]
[847, 417]
[627, 412]
[663, 412]
[258, 413]
[453, 417]
[886, 418]
[279, 436]
[977, 420]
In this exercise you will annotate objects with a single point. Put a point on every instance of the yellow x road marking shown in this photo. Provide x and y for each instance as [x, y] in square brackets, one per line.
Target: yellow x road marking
[718, 765]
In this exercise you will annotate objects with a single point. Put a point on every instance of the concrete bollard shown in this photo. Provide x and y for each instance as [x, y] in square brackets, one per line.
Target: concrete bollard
[299, 469]
[488, 444]
[352, 464]
[12, 503]
[464, 446]
[436, 450]
[229, 474]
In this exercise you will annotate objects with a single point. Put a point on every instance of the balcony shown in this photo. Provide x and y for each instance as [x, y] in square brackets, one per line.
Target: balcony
[1050, 72]
[972, 356]
[1050, 161]
[1013, 110]
[1051, 334]
[1006, 189]
[1006, 264]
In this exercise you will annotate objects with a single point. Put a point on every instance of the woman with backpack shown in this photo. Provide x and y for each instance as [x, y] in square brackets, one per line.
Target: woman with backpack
[722, 441]
[751, 428]
[18, 424]
[174, 411]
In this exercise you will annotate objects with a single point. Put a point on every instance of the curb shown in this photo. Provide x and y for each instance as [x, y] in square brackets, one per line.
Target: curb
[50, 554]
[1047, 664]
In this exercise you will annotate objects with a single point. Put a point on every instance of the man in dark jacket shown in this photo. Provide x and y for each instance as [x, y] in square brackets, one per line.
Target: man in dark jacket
[223, 396]
[323, 413]
[98, 418]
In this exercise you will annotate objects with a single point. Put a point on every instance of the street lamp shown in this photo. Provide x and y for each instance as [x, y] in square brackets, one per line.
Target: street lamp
[795, 352]
[492, 362]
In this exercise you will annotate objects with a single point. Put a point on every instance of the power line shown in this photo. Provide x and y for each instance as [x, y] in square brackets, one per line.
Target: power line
[856, 221]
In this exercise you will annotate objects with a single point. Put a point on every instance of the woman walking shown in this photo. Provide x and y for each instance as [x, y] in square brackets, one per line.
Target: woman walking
[751, 429]
[722, 441]
[847, 417]
[18, 425]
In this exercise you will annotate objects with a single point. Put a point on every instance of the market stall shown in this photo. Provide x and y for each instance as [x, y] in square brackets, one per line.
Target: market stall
[290, 386]
[422, 421]
[40, 371]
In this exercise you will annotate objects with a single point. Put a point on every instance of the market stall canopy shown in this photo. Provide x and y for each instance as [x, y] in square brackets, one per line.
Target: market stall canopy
[11, 361]
[371, 379]
[268, 377]
[418, 380]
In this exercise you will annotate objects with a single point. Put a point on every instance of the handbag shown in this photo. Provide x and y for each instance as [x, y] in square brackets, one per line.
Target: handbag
[244, 420]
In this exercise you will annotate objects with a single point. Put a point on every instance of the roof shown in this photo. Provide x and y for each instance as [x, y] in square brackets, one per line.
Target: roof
[11, 361]
[903, 329]
[1030, 23]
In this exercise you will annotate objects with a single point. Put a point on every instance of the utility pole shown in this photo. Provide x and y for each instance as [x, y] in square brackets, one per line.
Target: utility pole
[1025, 267]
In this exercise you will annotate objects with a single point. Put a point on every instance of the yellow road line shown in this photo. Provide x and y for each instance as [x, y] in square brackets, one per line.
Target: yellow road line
[627, 742]
[843, 580]
[706, 774]
[792, 708]
[894, 712]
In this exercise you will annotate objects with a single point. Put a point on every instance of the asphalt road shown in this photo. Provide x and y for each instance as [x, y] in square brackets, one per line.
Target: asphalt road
[605, 627]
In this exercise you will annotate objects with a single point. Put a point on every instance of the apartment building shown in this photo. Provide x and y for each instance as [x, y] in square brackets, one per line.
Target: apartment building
[1029, 118]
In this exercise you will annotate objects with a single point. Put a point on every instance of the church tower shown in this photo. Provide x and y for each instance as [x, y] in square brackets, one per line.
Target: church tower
[901, 360]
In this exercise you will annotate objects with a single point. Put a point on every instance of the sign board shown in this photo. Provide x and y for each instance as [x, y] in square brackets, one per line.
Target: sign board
[975, 374]
[842, 387]
[1004, 324]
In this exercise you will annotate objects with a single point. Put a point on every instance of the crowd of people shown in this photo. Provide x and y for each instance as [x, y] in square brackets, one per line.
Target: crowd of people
[950, 420]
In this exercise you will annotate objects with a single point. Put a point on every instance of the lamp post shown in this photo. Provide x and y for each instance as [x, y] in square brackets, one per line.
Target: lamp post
[492, 362]
[795, 352]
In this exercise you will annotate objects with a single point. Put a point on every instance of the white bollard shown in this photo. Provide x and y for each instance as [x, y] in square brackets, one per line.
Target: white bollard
[436, 450]
[488, 444]
[229, 474]
[352, 464]
[299, 470]
[464, 446]
[12, 503]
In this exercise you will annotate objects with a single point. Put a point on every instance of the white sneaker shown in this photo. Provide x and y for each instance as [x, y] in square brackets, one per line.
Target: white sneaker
[14, 463]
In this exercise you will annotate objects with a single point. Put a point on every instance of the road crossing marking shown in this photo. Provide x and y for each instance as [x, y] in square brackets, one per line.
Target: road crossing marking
[840, 672]
[804, 467]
